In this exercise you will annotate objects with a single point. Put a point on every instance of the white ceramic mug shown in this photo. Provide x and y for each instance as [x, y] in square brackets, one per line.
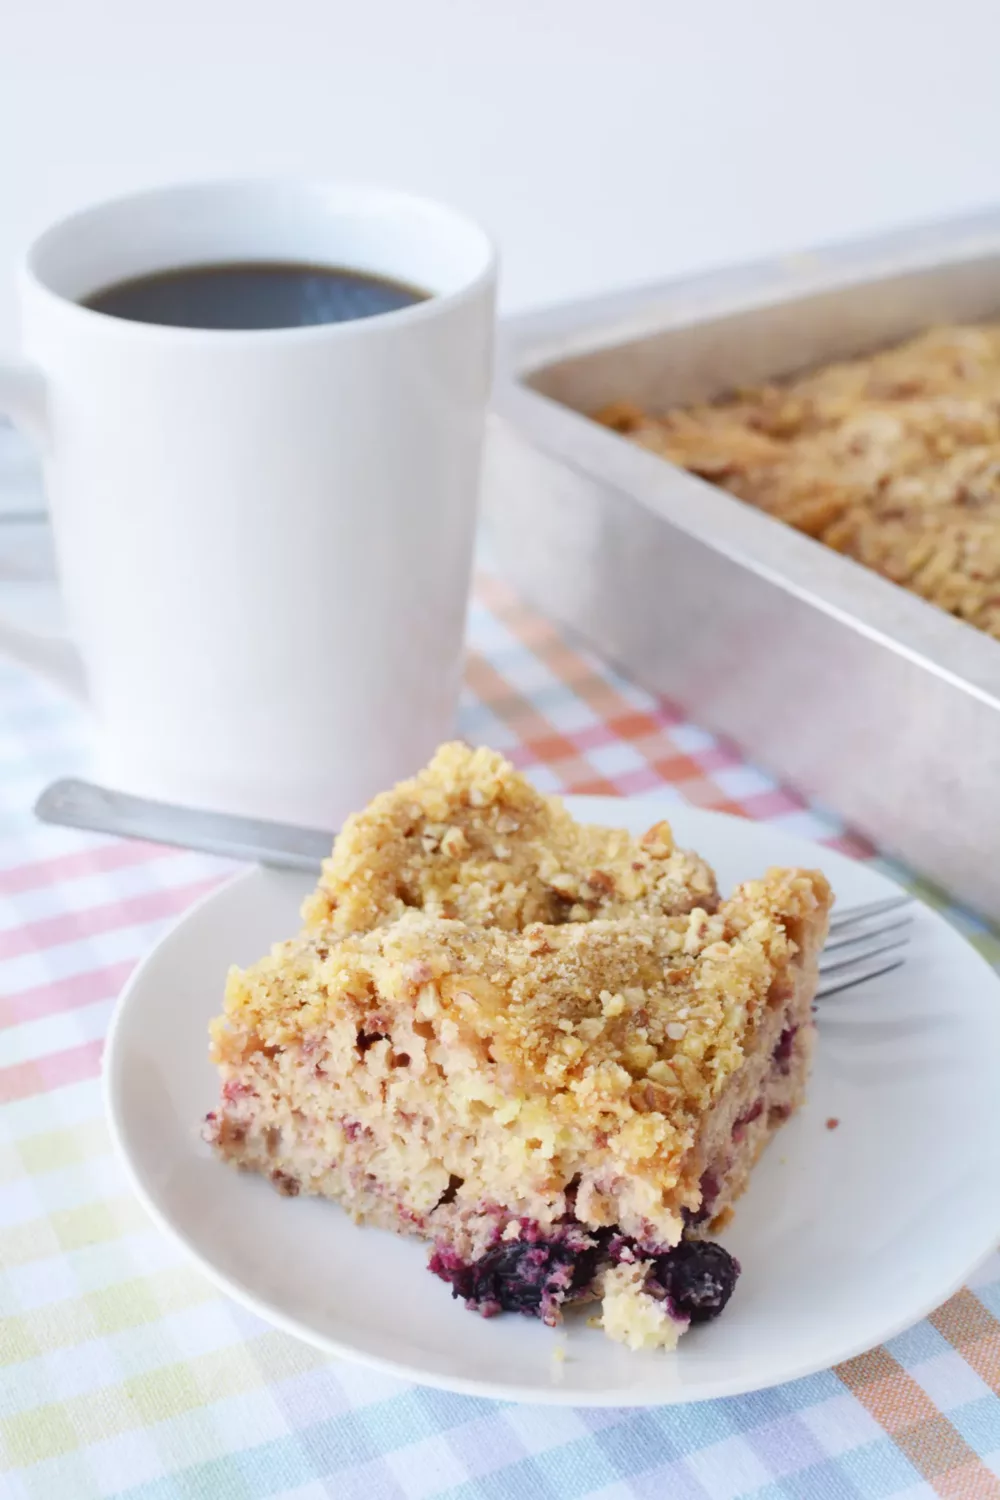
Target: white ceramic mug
[263, 538]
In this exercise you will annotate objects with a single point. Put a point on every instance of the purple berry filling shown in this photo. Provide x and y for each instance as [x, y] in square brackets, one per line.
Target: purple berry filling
[698, 1277]
[537, 1274]
[709, 1193]
[531, 1275]
[782, 1055]
[747, 1118]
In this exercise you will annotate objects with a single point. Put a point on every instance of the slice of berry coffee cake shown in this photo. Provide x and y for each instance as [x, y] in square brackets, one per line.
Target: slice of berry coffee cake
[546, 1049]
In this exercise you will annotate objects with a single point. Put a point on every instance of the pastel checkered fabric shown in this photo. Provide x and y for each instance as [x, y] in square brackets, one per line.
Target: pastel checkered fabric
[124, 1374]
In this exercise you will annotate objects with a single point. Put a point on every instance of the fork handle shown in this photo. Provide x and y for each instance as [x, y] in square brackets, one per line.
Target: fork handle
[82, 804]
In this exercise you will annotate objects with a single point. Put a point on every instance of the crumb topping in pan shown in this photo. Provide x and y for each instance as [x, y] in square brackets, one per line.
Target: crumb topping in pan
[893, 460]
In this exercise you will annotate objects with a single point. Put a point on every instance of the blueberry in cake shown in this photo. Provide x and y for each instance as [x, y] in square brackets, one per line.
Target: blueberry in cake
[548, 1049]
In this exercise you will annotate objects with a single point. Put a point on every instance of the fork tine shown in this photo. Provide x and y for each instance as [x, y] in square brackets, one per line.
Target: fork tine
[875, 951]
[849, 938]
[859, 958]
[870, 909]
[847, 981]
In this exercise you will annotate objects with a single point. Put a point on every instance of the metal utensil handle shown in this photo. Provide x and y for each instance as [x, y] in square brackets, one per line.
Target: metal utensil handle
[82, 804]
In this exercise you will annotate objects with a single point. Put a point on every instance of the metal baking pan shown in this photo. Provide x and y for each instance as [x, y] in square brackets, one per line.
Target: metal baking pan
[841, 683]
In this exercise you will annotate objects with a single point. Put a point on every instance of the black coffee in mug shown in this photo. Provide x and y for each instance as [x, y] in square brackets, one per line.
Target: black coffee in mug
[253, 294]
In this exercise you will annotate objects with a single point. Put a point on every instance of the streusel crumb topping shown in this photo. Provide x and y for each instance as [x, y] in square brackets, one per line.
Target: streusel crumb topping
[893, 460]
[469, 838]
[628, 1025]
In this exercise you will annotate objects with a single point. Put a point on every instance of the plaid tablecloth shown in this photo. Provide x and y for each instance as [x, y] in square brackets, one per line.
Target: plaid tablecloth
[124, 1374]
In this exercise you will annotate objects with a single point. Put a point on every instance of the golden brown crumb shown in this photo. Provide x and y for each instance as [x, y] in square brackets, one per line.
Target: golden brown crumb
[722, 1221]
[628, 1023]
[893, 459]
[470, 838]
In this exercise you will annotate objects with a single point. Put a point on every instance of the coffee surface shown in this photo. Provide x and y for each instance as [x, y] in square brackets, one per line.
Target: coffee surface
[252, 294]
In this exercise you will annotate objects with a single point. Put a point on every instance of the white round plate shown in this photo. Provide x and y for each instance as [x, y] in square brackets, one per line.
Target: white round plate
[846, 1236]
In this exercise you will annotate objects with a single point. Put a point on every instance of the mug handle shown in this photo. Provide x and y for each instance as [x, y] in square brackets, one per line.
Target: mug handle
[23, 399]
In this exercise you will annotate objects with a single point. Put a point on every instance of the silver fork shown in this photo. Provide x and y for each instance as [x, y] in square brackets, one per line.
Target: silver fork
[864, 941]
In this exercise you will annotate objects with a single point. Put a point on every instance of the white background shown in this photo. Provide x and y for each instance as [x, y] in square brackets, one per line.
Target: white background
[605, 141]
